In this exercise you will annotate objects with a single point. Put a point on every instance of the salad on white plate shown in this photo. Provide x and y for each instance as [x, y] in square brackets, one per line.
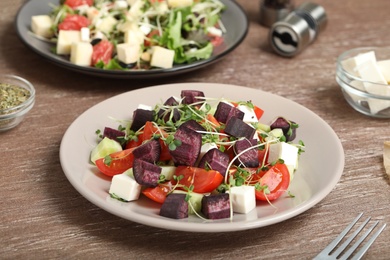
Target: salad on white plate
[197, 155]
[132, 34]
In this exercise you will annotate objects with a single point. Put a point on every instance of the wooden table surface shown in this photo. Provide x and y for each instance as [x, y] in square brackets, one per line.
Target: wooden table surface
[43, 217]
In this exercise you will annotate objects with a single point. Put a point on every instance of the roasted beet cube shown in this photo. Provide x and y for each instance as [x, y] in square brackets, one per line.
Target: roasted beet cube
[238, 128]
[193, 125]
[287, 127]
[169, 113]
[225, 111]
[146, 173]
[249, 158]
[175, 206]
[215, 160]
[140, 117]
[112, 133]
[216, 206]
[191, 96]
[188, 152]
[149, 151]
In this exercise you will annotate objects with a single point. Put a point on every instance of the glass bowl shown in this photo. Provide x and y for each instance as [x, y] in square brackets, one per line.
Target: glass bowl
[17, 97]
[363, 75]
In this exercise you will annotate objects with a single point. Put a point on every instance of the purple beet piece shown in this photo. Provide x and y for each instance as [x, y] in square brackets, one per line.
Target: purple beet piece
[140, 117]
[216, 206]
[238, 128]
[172, 113]
[193, 125]
[175, 206]
[146, 173]
[112, 133]
[215, 160]
[188, 152]
[190, 96]
[149, 151]
[288, 131]
[225, 111]
[250, 158]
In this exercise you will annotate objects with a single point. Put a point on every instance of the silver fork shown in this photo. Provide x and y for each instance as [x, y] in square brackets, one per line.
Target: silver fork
[329, 253]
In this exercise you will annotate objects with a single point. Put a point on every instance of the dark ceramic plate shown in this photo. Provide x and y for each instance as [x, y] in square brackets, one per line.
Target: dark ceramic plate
[234, 19]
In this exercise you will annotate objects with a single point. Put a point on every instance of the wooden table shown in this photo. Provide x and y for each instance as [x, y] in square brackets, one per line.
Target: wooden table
[44, 217]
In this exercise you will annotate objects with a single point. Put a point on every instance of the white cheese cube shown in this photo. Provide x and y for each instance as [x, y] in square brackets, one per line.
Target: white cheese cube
[145, 107]
[41, 25]
[125, 187]
[135, 10]
[214, 31]
[351, 64]
[179, 3]
[287, 152]
[134, 36]
[162, 57]
[127, 26]
[128, 53]
[81, 53]
[85, 34]
[369, 71]
[243, 198]
[168, 171]
[107, 24]
[65, 41]
[120, 4]
[146, 29]
[384, 67]
[358, 85]
[249, 114]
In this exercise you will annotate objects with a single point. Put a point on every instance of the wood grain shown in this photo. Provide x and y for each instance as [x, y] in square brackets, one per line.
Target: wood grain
[44, 217]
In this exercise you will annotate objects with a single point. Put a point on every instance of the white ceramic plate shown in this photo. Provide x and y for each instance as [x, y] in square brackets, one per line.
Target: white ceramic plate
[320, 167]
[233, 18]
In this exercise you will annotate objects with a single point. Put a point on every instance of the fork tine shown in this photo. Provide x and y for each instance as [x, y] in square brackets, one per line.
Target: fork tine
[337, 240]
[350, 238]
[364, 249]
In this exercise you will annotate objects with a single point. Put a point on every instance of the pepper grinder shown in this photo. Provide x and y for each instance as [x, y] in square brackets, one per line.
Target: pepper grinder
[272, 11]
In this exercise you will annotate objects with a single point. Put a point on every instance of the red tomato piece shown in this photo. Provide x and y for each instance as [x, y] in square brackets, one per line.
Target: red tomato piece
[149, 131]
[73, 22]
[121, 161]
[147, 42]
[76, 3]
[217, 41]
[157, 194]
[102, 52]
[277, 178]
[258, 111]
[203, 180]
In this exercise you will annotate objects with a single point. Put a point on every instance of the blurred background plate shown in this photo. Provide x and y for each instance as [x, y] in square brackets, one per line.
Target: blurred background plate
[233, 18]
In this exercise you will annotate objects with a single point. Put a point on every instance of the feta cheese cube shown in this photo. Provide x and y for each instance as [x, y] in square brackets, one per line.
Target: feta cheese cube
[214, 31]
[85, 34]
[351, 64]
[145, 107]
[125, 187]
[249, 114]
[65, 41]
[81, 53]
[162, 57]
[120, 4]
[179, 3]
[146, 29]
[134, 36]
[107, 24]
[384, 67]
[287, 152]
[92, 13]
[243, 198]
[41, 25]
[128, 53]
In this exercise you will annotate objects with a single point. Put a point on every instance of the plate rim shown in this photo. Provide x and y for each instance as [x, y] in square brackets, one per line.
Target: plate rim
[203, 227]
[179, 69]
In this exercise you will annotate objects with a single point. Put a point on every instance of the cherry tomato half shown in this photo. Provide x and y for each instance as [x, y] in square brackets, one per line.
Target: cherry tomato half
[121, 161]
[73, 22]
[102, 52]
[157, 194]
[76, 3]
[203, 180]
[277, 179]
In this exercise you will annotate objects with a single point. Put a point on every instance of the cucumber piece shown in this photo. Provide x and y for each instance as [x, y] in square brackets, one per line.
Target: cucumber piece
[195, 200]
[104, 148]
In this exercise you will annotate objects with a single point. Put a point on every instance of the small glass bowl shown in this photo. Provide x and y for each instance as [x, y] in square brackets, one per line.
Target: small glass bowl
[12, 116]
[376, 101]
